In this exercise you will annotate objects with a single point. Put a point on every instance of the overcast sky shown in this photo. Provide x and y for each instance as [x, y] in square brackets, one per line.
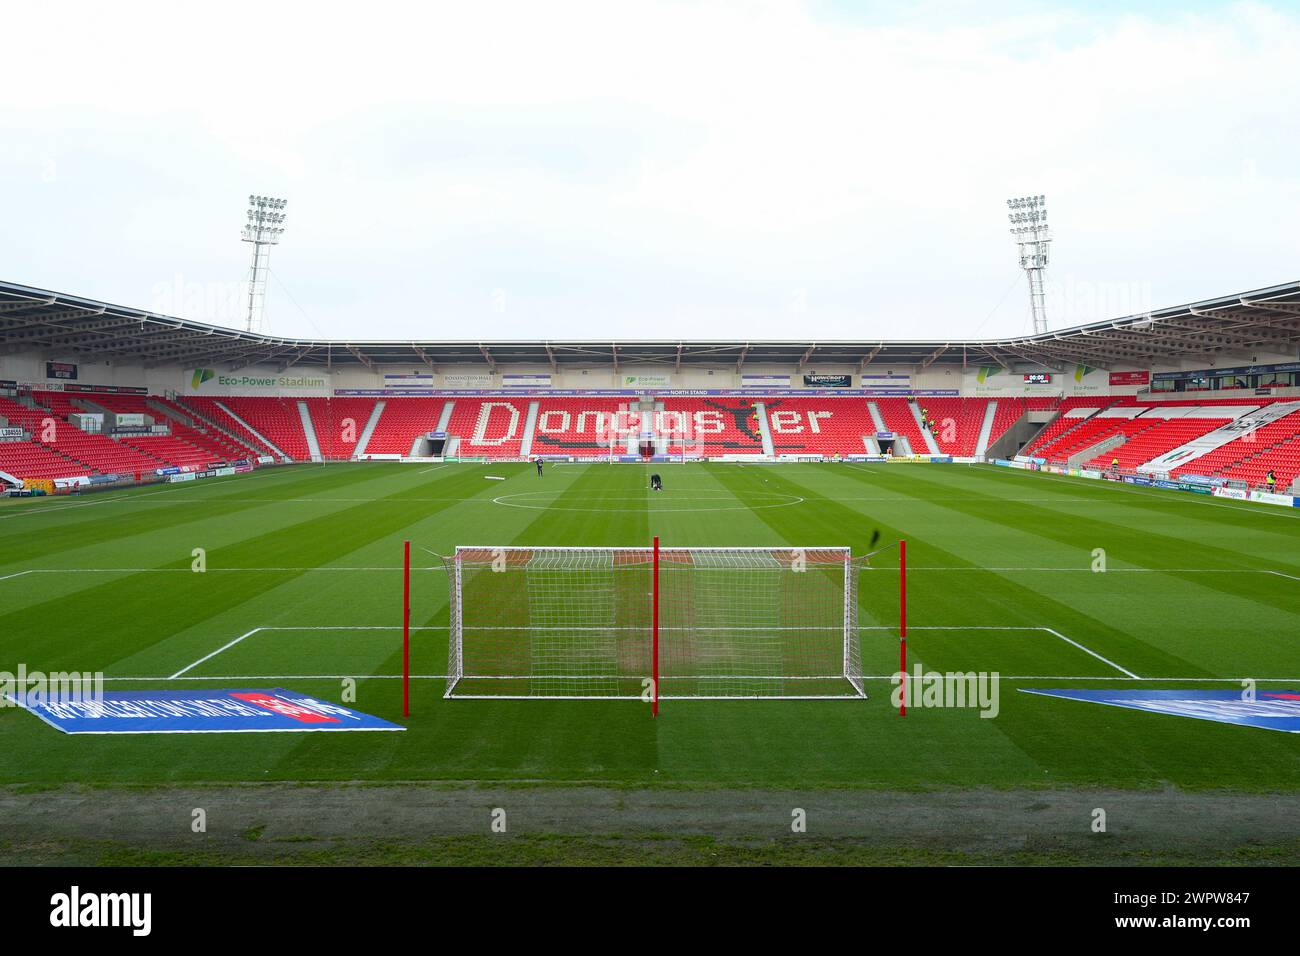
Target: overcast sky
[629, 170]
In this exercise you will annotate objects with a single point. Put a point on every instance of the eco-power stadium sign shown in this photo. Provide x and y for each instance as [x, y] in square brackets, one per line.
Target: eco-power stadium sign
[210, 380]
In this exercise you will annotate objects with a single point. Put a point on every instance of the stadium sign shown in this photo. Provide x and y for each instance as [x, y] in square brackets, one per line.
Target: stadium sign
[827, 381]
[408, 380]
[197, 712]
[1227, 372]
[647, 381]
[539, 380]
[11, 433]
[1236, 493]
[765, 381]
[1130, 378]
[467, 380]
[1269, 498]
[209, 380]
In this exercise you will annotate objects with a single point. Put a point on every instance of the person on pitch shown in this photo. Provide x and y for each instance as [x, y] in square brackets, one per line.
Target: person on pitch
[539, 468]
[1270, 479]
[1114, 466]
[656, 483]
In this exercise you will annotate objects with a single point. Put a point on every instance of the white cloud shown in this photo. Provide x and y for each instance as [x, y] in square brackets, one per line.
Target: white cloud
[650, 169]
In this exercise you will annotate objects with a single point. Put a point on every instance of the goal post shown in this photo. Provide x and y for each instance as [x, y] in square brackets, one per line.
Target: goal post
[655, 623]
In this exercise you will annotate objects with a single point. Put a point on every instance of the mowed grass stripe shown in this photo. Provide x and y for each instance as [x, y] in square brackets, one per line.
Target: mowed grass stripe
[531, 737]
[985, 599]
[1268, 533]
[111, 617]
[1120, 538]
[1146, 607]
[68, 536]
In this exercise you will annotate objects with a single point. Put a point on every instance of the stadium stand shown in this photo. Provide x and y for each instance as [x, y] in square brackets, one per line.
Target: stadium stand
[101, 454]
[584, 426]
[1151, 434]
[1249, 458]
[720, 426]
[897, 416]
[205, 434]
[489, 427]
[339, 423]
[1011, 410]
[185, 447]
[1071, 413]
[210, 411]
[401, 422]
[21, 416]
[27, 459]
[819, 426]
[277, 419]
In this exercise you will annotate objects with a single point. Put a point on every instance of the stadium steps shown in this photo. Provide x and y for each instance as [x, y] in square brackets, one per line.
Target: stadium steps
[530, 426]
[255, 433]
[986, 429]
[925, 432]
[203, 422]
[1032, 446]
[1109, 443]
[765, 430]
[371, 423]
[309, 431]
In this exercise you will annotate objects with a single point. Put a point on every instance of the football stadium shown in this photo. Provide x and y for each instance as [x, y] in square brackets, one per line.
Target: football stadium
[665, 435]
[1069, 543]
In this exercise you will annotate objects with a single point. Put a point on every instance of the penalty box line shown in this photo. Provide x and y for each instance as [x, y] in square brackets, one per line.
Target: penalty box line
[992, 627]
[257, 630]
[180, 674]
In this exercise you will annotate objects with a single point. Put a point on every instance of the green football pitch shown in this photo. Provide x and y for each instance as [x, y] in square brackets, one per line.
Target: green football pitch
[302, 590]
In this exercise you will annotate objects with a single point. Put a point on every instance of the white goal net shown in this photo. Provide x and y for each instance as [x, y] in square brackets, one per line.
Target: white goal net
[603, 622]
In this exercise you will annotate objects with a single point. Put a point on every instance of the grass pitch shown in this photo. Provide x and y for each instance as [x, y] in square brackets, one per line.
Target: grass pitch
[303, 589]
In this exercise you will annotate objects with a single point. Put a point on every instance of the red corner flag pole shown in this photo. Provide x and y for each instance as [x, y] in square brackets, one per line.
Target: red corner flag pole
[654, 638]
[406, 629]
[902, 624]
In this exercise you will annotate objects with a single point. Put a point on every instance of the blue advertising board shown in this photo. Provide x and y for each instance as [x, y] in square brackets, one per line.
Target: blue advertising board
[196, 712]
[1271, 710]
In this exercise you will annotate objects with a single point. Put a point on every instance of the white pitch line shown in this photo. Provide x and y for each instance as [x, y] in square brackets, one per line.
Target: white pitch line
[433, 469]
[439, 567]
[215, 653]
[1115, 570]
[990, 627]
[433, 567]
[1087, 650]
[1018, 677]
[278, 677]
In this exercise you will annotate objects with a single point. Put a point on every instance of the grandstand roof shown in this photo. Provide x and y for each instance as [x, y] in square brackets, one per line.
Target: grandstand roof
[1234, 327]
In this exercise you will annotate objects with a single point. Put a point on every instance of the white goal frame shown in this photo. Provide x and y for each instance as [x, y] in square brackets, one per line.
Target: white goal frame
[846, 681]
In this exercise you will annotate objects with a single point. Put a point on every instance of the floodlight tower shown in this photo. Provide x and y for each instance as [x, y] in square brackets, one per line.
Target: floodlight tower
[1028, 215]
[263, 229]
